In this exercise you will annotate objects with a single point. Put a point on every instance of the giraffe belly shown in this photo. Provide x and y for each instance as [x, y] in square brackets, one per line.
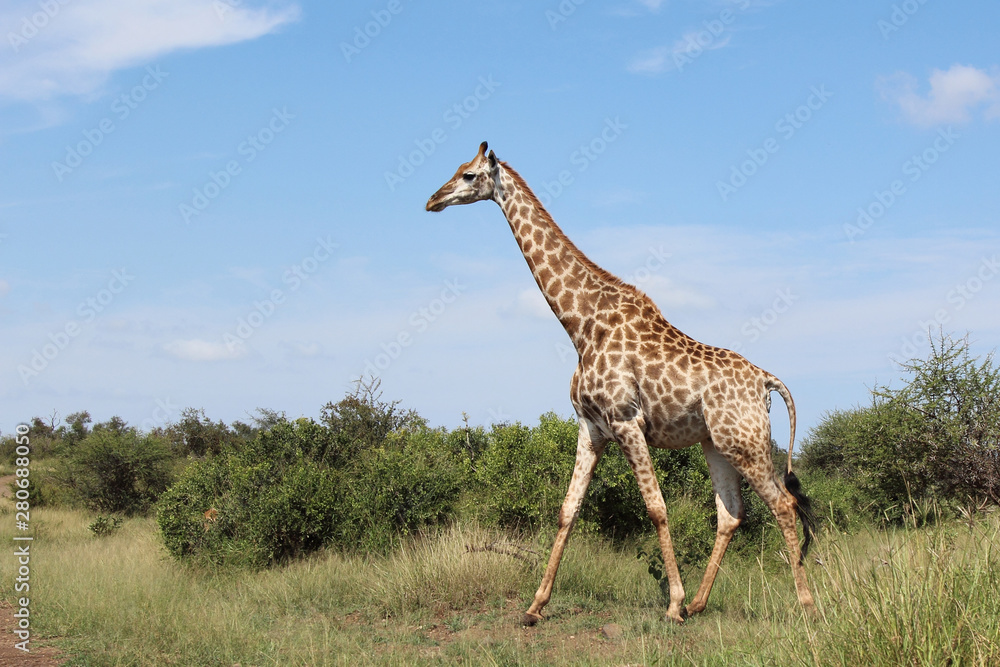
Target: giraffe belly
[675, 426]
[678, 432]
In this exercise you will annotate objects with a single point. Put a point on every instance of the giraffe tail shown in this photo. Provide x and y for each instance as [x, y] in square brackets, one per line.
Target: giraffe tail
[774, 384]
[803, 507]
[792, 485]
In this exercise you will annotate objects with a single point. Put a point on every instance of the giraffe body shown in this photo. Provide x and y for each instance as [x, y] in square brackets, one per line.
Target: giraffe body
[642, 383]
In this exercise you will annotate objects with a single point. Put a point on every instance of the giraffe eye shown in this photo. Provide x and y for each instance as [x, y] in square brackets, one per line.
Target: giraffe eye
[469, 176]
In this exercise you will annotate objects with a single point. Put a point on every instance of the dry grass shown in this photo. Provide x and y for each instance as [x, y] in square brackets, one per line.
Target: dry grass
[914, 597]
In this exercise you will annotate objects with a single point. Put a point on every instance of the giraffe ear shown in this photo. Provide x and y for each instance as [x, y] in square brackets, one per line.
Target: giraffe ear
[495, 174]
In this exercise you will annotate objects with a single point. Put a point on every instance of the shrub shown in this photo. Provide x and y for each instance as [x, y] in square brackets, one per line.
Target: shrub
[116, 469]
[394, 492]
[195, 434]
[937, 436]
[523, 474]
[615, 503]
[293, 489]
[105, 525]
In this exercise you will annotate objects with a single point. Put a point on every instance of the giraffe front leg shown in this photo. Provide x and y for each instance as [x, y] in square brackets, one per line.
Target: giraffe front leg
[633, 445]
[587, 455]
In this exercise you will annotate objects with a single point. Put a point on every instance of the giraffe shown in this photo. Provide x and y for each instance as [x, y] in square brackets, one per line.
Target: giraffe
[642, 383]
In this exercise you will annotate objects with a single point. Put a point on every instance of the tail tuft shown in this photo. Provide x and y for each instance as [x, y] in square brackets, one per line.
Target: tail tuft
[803, 507]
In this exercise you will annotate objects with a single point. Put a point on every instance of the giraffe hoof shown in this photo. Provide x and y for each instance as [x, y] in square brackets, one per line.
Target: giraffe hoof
[530, 619]
[677, 617]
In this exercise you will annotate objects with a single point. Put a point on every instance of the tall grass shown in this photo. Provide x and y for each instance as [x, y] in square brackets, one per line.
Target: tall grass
[927, 596]
[913, 597]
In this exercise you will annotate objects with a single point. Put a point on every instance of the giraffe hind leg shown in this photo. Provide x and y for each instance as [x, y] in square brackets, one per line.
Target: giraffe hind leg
[783, 503]
[729, 505]
[747, 448]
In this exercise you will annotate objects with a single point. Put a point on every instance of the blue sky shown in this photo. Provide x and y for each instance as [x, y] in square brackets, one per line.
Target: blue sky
[220, 204]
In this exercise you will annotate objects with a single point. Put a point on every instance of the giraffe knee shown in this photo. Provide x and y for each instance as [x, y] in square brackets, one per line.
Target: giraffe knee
[658, 515]
[727, 523]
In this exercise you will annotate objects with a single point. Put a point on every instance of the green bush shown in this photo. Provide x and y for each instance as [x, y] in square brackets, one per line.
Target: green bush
[524, 473]
[936, 437]
[116, 469]
[105, 525]
[615, 503]
[197, 435]
[293, 489]
[393, 492]
[836, 501]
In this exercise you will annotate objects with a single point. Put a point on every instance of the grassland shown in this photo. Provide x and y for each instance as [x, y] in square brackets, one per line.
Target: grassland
[928, 596]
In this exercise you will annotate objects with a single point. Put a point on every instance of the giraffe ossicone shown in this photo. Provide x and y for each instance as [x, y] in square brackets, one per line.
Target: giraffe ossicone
[642, 383]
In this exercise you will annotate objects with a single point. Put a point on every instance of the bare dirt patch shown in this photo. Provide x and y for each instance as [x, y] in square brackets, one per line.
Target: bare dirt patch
[38, 656]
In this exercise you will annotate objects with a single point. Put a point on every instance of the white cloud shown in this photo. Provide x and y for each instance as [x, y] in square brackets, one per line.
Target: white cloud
[953, 96]
[529, 303]
[651, 61]
[302, 349]
[652, 5]
[669, 294]
[73, 48]
[203, 350]
[663, 58]
[637, 8]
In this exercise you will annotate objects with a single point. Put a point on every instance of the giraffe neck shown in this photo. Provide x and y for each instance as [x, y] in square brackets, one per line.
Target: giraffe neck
[570, 282]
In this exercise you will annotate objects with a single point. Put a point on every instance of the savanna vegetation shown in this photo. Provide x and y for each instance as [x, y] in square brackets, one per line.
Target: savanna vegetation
[367, 536]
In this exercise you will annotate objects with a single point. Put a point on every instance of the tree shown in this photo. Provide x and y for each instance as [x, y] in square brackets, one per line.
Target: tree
[198, 435]
[76, 428]
[117, 469]
[938, 435]
[956, 397]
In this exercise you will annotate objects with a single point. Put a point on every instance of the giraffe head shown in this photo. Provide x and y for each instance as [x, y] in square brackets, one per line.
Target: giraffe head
[474, 181]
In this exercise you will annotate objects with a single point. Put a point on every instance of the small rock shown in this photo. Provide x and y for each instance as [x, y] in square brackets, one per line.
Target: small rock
[612, 631]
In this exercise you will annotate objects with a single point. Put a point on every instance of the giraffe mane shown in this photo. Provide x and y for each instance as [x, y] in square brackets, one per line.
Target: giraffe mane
[580, 255]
